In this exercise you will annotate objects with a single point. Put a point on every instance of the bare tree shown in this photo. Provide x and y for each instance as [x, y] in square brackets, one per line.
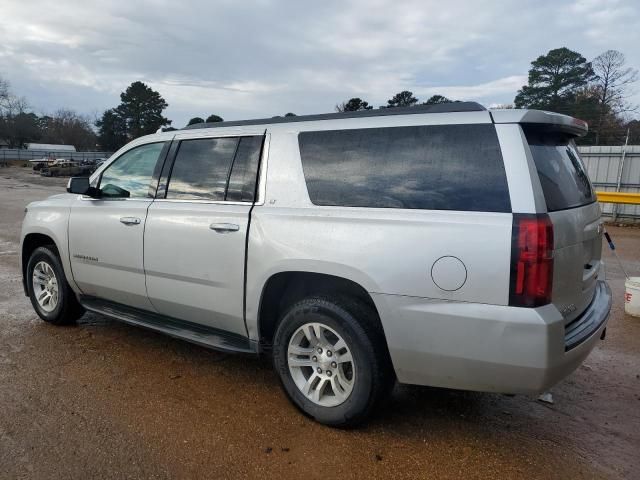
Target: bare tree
[17, 124]
[16, 105]
[4, 94]
[613, 79]
[10, 104]
[4, 89]
[68, 128]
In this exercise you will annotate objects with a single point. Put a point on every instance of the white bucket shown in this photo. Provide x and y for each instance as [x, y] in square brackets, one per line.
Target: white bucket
[632, 296]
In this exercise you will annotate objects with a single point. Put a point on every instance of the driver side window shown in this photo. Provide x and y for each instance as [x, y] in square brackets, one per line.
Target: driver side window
[130, 175]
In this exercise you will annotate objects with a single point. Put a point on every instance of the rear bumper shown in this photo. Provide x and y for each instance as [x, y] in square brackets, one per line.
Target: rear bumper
[491, 348]
[596, 314]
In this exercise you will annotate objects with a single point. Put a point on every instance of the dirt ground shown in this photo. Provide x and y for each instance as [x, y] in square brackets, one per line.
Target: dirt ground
[106, 400]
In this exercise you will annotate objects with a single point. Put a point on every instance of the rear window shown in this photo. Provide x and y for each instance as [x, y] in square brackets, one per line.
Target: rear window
[436, 167]
[242, 182]
[562, 174]
[201, 169]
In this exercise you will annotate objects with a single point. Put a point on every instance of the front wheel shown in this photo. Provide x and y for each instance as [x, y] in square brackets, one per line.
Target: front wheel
[50, 294]
[332, 359]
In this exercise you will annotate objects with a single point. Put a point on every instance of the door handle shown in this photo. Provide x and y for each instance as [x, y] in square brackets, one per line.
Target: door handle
[224, 227]
[130, 220]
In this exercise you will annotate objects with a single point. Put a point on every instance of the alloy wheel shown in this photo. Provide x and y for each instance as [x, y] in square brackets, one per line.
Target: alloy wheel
[321, 364]
[45, 286]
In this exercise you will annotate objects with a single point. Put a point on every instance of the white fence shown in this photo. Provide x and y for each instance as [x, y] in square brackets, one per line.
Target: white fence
[12, 154]
[615, 169]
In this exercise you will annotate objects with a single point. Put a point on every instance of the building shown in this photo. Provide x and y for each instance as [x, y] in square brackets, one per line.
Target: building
[50, 147]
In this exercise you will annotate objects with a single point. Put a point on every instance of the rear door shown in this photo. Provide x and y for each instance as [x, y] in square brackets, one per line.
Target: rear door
[575, 214]
[195, 236]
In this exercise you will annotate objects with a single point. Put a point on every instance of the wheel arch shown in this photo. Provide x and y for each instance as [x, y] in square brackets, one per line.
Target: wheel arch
[286, 287]
[30, 242]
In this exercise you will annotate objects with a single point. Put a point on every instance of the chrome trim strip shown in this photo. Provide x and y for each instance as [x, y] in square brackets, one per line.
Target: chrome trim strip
[182, 278]
[212, 202]
[107, 265]
[114, 199]
[198, 134]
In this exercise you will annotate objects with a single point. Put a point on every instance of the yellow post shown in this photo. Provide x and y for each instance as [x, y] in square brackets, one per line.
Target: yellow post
[619, 197]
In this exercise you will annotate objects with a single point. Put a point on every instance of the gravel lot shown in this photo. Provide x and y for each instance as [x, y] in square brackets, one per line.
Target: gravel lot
[106, 400]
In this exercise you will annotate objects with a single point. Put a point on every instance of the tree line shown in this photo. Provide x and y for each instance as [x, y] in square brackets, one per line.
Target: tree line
[139, 113]
[561, 80]
[564, 81]
[19, 125]
[598, 92]
[400, 99]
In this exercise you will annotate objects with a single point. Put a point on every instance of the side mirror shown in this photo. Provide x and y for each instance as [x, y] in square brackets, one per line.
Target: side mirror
[81, 186]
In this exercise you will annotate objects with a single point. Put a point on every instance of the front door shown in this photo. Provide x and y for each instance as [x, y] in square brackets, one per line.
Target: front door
[106, 234]
[195, 237]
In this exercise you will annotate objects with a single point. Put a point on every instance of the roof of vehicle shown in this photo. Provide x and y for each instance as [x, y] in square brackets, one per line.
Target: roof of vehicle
[557, 120]
[418, 109]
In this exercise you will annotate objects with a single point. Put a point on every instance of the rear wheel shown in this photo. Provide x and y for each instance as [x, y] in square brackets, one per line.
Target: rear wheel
[50, 294]
[332, 359]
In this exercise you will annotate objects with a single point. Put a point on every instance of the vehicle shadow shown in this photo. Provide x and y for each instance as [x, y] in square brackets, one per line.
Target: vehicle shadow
[244, 391]
[410, 411]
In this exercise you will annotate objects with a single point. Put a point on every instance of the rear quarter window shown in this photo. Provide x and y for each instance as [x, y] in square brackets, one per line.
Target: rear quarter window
[563, 177]
[436, 167]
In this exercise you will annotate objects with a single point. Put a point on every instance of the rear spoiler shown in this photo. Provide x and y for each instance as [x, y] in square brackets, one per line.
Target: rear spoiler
[555, 121]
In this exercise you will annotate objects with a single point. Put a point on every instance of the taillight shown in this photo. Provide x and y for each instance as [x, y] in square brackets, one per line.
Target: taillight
[531, 260]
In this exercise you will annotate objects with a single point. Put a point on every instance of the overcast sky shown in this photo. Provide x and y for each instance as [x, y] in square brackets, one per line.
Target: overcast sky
[266, 57]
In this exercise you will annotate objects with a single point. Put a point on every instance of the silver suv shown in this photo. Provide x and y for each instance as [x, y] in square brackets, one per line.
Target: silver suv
[447, 245]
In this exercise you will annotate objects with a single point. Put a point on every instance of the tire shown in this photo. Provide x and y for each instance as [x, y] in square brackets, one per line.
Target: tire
[352, 390]
[66, 309]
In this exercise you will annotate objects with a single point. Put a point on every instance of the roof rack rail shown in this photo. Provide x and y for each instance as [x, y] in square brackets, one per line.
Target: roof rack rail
[381, 112]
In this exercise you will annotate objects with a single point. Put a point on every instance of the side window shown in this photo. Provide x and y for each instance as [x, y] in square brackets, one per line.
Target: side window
[242, 182]
[129, 176]
[201, 169]
[436, 167]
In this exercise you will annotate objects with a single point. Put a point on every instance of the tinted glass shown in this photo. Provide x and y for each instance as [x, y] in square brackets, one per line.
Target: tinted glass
[201, 169]
[242, 182]
[130, 175]
[439, 167]
[564, 180]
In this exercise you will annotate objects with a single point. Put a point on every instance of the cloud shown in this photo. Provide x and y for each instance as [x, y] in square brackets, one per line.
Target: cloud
[488, 90]
[266, 58]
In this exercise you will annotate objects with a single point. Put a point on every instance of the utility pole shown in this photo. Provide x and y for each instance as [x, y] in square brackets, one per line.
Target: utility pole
[620, 170]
